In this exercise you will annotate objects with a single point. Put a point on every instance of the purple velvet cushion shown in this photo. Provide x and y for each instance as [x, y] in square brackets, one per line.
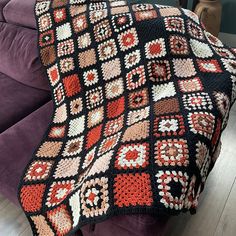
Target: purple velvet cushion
[16, 148]
[17, 101]
[20, 12]
[127, 225]
[19, 56]
[2, 5]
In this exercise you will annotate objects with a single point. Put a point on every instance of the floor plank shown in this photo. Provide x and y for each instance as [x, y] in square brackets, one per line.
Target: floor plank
[12, 219]
[27, 232]
[227, 223]
[215, 194]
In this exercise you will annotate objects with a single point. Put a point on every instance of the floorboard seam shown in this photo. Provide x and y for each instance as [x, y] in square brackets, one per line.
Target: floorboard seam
[225, 205]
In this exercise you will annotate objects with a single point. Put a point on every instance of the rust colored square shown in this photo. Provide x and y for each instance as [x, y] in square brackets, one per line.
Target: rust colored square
[116, 108]
[132, 190]
[32, 196]
[72, 85]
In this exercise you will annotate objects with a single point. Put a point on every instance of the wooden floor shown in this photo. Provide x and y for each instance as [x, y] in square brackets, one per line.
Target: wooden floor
[216, 214]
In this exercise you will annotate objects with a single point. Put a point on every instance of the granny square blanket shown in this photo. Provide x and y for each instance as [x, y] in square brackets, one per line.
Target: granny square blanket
[141, 95]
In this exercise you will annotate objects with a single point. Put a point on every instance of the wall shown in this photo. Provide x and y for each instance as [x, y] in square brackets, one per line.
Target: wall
[228, 23]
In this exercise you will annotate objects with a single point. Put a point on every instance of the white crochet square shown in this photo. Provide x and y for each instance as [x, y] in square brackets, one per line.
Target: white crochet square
[42, 7]
[63, 32]
[201, 50]
[76, 126]
[163, 91]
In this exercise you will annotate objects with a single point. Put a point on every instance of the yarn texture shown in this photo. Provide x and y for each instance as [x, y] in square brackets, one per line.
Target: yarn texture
[141, 93]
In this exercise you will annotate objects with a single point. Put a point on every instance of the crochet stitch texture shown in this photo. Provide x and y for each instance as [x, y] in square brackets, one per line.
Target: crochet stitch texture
[141, 94]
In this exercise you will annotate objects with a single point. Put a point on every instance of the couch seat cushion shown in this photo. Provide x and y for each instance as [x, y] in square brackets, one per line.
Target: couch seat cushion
[2, 5]
[127, 225]
[17, 101]
[20, 12]
[16, 148]
[20, 57]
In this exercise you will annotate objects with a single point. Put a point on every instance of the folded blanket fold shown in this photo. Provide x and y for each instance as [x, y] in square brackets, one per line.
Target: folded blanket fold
[141, 95]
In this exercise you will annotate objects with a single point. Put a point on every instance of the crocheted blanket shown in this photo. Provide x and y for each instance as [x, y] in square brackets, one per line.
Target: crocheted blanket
[141, 95]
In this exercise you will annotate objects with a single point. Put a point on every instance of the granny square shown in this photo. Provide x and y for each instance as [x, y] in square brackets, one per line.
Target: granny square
[141, 95]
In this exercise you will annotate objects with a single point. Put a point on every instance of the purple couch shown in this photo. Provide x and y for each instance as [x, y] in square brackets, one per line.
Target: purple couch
[25, 112]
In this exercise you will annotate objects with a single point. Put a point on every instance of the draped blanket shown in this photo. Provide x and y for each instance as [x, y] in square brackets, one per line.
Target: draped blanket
[141, 94]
